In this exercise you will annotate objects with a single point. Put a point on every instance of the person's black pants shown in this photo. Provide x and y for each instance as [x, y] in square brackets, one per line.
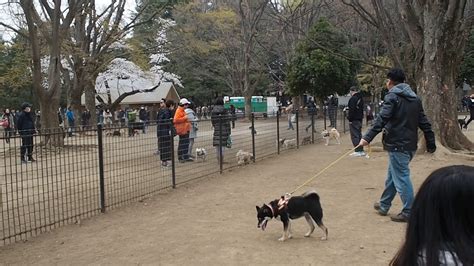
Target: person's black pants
[26, 146]
[356, 133]
[183, 147]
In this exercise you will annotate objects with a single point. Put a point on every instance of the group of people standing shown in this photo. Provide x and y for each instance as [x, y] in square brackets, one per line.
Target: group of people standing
[183, 122]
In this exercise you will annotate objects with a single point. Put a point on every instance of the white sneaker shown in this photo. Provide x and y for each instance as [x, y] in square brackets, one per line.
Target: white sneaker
[354, 153]
[358, 154]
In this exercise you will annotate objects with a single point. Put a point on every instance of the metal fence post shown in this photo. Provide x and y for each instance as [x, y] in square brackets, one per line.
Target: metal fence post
[253, 136]
[101, 167]
[173, 158]
[221, 163]
[278, 131]
[312, 128]
[297, 129]
[344, 121]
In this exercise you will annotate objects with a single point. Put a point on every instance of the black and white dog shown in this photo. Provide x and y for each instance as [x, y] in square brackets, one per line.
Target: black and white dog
[462, 122]
[287, 209]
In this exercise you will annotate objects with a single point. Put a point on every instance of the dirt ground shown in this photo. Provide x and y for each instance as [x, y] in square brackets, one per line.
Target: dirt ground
[212, 221]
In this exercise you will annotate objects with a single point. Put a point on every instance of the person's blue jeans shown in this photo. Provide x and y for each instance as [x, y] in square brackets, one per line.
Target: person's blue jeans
[398, 180]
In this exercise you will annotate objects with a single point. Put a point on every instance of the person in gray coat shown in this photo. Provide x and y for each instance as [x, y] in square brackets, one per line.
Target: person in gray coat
[192, 117]
[220, 120]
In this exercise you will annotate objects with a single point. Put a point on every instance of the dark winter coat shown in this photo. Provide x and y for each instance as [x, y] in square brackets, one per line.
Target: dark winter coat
[25, 124]
[164, 126]
[400, 117]
[220, 119]
[356, 108]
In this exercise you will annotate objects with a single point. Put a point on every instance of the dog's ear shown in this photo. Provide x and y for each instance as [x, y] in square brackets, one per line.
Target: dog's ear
[258, 208]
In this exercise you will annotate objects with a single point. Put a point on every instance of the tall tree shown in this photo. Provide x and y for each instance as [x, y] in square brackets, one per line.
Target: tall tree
[437, 32]
[48, 21]
[317, 71]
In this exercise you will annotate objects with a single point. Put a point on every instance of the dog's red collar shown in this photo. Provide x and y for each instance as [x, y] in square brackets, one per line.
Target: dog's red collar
[271, 208]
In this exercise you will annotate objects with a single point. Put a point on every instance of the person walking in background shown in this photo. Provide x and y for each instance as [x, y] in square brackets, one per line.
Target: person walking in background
[233, 116]
[85, 118]
[221, 123]
[311, 113]
[164, 131]
[355, 117]
[8, 125]
[183, 127]
[400, 117]
[440, 230]
[142, 116]
[192, 117]
[26, 128]
[108, 118]
[70, 121]
[204, 111]
[290, 112]
[131, 117]
[471, 111]
[369, 115]
[333, 103]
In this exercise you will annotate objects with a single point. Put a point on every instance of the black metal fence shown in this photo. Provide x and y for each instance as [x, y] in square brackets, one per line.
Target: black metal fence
[94, 170]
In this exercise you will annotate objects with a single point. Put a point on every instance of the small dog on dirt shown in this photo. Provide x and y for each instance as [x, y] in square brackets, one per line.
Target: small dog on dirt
[306, 140]
[331, 134]
[243, 157]
[287, 143]
[462, 122]
[201, 154]
[290, 208]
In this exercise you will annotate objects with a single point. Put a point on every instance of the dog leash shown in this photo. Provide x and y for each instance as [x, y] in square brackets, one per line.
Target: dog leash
[329, 166]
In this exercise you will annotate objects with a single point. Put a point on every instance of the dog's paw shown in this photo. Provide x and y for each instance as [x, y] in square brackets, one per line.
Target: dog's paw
[282, 239]
[308, 234]
[324, 238]
[290, 236]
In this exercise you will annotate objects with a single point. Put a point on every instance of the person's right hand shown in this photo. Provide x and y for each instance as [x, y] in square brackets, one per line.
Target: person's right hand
[363, 143]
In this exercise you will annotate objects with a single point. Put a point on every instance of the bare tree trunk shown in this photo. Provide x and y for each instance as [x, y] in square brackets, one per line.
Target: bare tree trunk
[90, 104]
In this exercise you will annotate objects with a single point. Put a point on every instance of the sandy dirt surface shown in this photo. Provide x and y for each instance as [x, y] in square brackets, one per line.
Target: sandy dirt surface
[212, 221]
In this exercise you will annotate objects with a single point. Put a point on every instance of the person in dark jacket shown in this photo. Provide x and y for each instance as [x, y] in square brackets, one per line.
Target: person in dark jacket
[26, 128]
[220, 120]
[355, 117]
[400, 117]
[164, 131]
[312, 111]
[470, 105]
[333, 103]
[233, 114]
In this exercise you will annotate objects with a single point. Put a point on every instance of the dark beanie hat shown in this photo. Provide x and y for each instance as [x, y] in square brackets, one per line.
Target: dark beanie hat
[24, 105]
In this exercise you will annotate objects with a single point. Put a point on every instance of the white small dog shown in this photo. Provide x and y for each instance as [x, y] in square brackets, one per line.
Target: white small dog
[331, 134]
[243, 157]
[289, 143]
[201, 154]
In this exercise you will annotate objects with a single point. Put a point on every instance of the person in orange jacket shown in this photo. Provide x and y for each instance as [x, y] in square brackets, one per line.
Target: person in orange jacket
[182, 126]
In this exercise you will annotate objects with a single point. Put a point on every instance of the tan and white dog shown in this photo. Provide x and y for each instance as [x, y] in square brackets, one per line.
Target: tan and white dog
[331, 134]
[243, 157]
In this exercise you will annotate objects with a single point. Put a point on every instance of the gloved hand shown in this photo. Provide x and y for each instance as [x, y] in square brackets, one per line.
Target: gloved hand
[431, 147]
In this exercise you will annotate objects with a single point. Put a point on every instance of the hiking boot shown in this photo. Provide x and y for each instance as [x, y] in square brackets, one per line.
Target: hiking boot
[379, 209]
[400, 218]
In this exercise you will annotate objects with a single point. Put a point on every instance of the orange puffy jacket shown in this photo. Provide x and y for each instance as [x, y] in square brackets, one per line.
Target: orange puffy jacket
[181, 122]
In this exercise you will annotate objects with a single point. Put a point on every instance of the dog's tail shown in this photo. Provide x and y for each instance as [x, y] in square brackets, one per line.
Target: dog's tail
[311, 194]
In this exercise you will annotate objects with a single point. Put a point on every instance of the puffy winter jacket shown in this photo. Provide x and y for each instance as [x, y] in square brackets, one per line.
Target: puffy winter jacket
[181, 122]
[400, 117]
[220, 119]
[25, 123]
[356, 107]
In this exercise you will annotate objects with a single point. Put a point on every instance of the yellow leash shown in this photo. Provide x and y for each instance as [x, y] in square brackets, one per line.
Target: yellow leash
[329, 166]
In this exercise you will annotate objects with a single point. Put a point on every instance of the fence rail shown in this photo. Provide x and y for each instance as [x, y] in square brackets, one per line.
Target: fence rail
[99, 169]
